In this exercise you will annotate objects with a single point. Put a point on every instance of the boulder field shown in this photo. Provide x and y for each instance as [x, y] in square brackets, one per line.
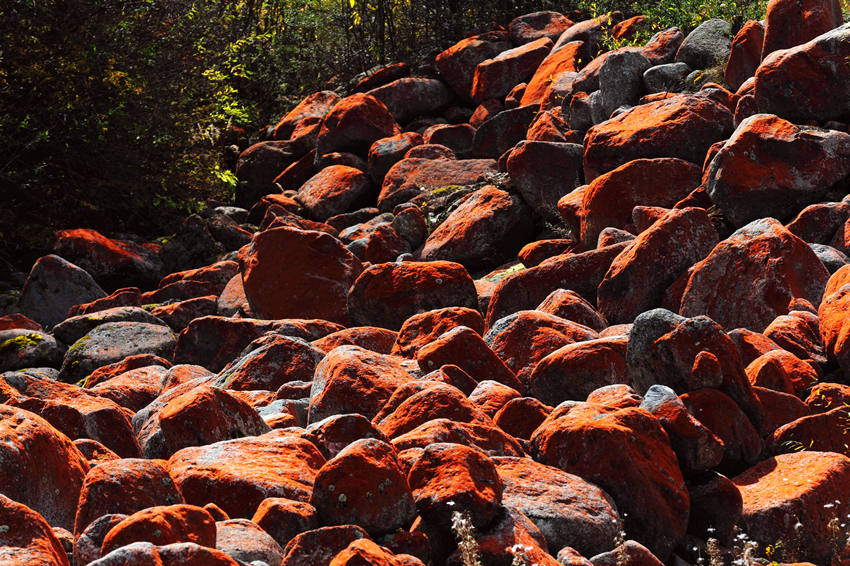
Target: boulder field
[545, 304]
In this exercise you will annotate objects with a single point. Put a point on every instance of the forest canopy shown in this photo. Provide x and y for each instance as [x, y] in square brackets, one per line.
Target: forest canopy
[114, 113]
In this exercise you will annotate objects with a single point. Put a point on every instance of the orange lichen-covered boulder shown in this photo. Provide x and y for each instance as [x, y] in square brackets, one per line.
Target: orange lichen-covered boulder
[386, 152]
[298, 274]
[524, 338]
[387, 294]
[751, 277]
[163, 525]
[457, 63]
[567, 59]
[807, 82]
[568, 510]
[39, 466]
[788, 24]
[835, 323]
[238, 474]
[640, 274]
[450, 477]
[682, 126]
[465, 348]
[284, 518]
[487, 229]
[410, 97]
[27, 539]
[628, 454]
[798, 333]
[113, 263]
[364, 551]
[569, 305]
[543, 172]
[610, 198]
[124, 486]
[781, 370]
[205, 415]
[353, 124]
[333, 434]
[533, 26]
[364, 485]
[435, 400]
[317, 105]
[793, 497]
[494, 78]
[770, 167]
[520, 417]
[827, 432]
[278, 360]
[317, 547]
[409, 177]
[335, 190]
[745, 54]
[422, 328]
[573, 371]
[351, 379]
[379, 340]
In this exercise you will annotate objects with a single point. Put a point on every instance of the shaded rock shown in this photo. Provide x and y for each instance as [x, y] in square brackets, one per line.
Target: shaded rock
[423, 328]
[707, 45]
[544, 172]
[319, 546]
[20, 348]
[113, 262]
[280, 360]
[533, 26]
[457, 63]
[503, 131]
[243, 540]
[27, 538]
[52, 287]
[411, 97]
[73, 328]
[666, 78]
[283, 519]
[411, 177]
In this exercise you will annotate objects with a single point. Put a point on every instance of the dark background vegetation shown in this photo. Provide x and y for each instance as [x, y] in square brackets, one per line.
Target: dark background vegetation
[112, 111]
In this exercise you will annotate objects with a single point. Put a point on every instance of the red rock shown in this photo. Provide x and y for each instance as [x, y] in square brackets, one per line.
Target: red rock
[798, 333]
[781, 370]
[835, 325]
[177, 554]
[565, 60]
[628, 454]
[503, 131]
[628, 28]
[319, 546]
[124, 486]
[724, 417]
[450, 478]
[770, 167]
[687, 355]
[825, 396]
[512, 99]
[163, 525]
[836, 281]
[387, 294]
[422, 328]
[278, 360]
[533, 253]
[569, 305]
[788, 24]
[491, 396]
[333, 434]
[411, 177]
[435, 401]
[238, 474]
[650, 263]
[258, 166]
[215, 340]
[134, 389]
[335, 190]
[353, 380]
[353, 124]
[296, 174]
[378, 340]
[520, 417]
[385, 244]
[512, 538]
[610, 198]
[455, 376]
[525, 289]
[524, 338]
[809, 81]
[751, 344]
[617, 396]
[630, 552]
[748, 279]
[363, 485]
[818, 223]
[662, 47]
[495, 77]
[544, 172]
[792, 489]
[457, 64]
[570, 209]
[178, 315]
[573, 371]
[683, 127]
[381, 76]
[243, 540]
[457, 137]
[697, 448]
[485, 111]
[283, 518]
[464, 348]
[95, 452]
[112, 262]
[533, 26]
[548, 126]
[206, 415]
[27, 539]
[487, 228]
[126, 297]
[488, 438]
[314, 268]
[217, 274]
[317, 105]
[745, 56]
[589, 31]
[386, 152]
[824, 432]
[364, 551]
[411, 97]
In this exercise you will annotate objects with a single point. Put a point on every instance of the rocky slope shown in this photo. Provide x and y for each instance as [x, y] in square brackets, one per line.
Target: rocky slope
[537, 306]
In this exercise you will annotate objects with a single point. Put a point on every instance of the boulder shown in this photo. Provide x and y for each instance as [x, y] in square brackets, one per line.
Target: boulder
[316, 105]
[567, 59]
[543, 172]
[745, 54]
[258, 166]
[353, 124]
[494, 78]
[163, 525]
[531, 27]
[115, 263]
[53, 286]
[503, 131]
[27, 538]
[422, 328]
[335, 190]
[788, 24]
[412, 97]
[409, 178]
[457, 63]
[708, 45]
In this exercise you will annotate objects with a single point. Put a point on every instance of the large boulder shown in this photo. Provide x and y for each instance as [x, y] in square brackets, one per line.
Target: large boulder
[27, 539]
[411, 97]
[494, 78]
[411, 177]
[53, 286]
[315, 106]
[788, 24]
[457, 63]
[543, 172]
[299, 274]
[751, 277]
[113, 262]
[807, 82]
[353, 124]
[335, 190]
[770, 167]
